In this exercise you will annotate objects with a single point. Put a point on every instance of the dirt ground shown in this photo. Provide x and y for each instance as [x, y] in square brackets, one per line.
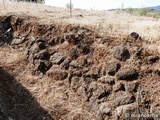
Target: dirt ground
[62, 71]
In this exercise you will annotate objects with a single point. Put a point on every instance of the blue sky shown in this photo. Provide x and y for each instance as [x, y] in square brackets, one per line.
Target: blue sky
[103, 4]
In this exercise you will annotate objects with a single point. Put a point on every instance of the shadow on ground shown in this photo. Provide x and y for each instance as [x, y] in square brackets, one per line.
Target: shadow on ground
[16, 102]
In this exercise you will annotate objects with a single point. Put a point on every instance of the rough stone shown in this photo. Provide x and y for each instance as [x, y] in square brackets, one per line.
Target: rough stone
[57, 58]
[71, 38]
[41, 44]
[139, 52]
[123, 98]
[18, 41]
[107, 79]
[100, 90]
[34, 48]
[42, 55]
[48, 64]
[82, 92]
[1, 43]
[85, 49]
[75, 64]
[94, 91]
[118, 86]
[5, 32]
[105, 109]
[76, 72]
[127, 74]
[121, 53]
[151, 59]
[73, 53]
[40, 66]
[111, 68]
[94, 72]
[76, 82]
[81, 61]
[131, 86]
[134, 35]
[57, 73]
[131, 112]
[87, 80]
[65, 64]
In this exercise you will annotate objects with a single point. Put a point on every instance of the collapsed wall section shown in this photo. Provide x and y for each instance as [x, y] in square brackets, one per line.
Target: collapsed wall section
[107, 73]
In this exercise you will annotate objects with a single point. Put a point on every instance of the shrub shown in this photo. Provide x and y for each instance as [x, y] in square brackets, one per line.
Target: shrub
[68, 5]
[129, 10]
[143, 12]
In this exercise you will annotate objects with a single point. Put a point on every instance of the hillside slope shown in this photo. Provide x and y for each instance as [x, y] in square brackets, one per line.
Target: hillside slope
[67, 71]
[155, 8]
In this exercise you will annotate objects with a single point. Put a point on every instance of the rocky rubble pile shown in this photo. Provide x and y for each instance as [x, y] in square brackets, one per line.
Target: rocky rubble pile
[108, 75]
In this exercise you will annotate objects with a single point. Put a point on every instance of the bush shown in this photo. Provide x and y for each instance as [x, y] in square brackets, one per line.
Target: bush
[129, 10]
[156, 15]
[143, 12]
[68, 5]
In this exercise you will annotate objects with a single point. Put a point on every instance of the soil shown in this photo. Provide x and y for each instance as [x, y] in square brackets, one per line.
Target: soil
[67, 72]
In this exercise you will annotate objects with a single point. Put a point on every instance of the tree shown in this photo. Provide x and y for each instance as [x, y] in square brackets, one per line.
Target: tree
[70, 5]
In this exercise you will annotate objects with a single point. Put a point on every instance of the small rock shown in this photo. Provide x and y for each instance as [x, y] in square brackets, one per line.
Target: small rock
[121, 53]
[41, 44]
[89, 61]
[85, 49]
[87, 80]
[100, 90]
[71, 38]
[73, 53]
[131, 112]
[40, 66]
[18, 41]
[42, 55]
[34, 48]
[94, 72]
[139, 52]
[76, 83]
[111, 68]
[127, 74]
[107, 79]
[54, 41]
[57, 73]
[75, 72]
[82, 92]
[75, 64]
[134, 35]
[151, 59]
[80, 15]
[131, 87]
[57, 58]
[1, 43]
[48, 64]
[104, 109]
[81, 61]
[65, 64]
[123, 98]
[118, 86]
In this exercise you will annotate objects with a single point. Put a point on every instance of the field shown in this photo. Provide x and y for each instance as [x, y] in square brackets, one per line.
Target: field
[84, 67]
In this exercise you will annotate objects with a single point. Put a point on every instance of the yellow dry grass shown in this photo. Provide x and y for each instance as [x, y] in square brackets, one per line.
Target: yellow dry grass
[106, 23]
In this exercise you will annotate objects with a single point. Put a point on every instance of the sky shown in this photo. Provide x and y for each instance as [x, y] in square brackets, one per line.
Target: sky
[103, 4]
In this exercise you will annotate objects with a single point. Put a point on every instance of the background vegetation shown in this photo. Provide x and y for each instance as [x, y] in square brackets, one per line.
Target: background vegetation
[143, 12]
